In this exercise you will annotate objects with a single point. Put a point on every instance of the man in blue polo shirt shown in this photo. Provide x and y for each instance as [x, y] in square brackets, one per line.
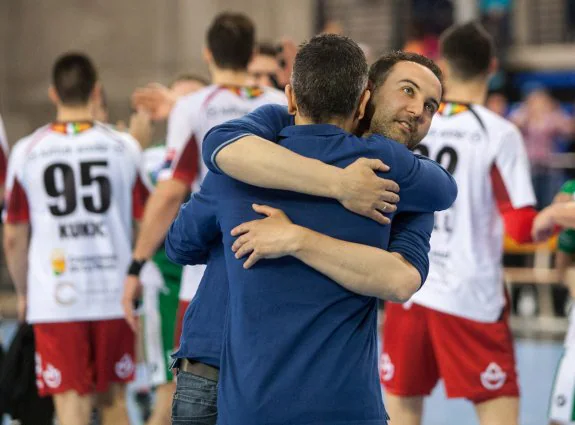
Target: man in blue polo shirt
[298, 348]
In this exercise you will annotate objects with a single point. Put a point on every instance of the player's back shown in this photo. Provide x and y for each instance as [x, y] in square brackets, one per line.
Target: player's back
[195, 114]
[79, 186]
[486, 156]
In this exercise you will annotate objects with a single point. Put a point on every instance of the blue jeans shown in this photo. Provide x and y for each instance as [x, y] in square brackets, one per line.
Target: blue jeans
[195, 400]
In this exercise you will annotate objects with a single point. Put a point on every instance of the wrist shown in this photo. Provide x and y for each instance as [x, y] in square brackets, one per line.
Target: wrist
[337, 185]
[136, 266]
[300, 237]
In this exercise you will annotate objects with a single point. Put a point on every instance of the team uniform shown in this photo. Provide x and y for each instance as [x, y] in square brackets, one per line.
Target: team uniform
[161, 283]
[192, 117]
[457, 323]
[78, 185]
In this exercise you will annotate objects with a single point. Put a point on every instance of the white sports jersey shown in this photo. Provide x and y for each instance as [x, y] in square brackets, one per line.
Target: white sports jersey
[78, 185]
[486, 156]
[192, 117]
[4, 148]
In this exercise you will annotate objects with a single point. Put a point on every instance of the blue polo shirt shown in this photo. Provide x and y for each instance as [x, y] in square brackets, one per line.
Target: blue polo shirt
[203, 323]
[299, 348]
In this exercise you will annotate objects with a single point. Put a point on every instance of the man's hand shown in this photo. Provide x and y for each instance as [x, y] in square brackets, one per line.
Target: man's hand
[272, 237]
[363, 192]
[22, 307]
[132, 293]
[543, 225]
[562, 197]
[141, 127]
[157, 99]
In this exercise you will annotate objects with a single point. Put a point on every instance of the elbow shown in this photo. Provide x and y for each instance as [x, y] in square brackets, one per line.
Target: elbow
[404, 286]
[448, 196]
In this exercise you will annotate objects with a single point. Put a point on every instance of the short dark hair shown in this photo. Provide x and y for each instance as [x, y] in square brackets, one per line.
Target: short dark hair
[231, 39]
[468, 49]
[74, 77]
[329, 75]
[186, 76]
[380, 69]
[267, 49]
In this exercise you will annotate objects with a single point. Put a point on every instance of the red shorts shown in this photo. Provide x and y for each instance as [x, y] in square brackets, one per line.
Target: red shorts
[182, 307]
[83, 356]
[420, 345]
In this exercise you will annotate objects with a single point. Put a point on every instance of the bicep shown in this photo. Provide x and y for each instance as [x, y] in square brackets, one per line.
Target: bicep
[265, 122]
[426, 187]
[193, 231]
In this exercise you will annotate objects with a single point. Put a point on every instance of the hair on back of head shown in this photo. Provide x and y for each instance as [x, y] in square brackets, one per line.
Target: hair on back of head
[231, 40]
[468, 50]
[329, 76]
[74, 78]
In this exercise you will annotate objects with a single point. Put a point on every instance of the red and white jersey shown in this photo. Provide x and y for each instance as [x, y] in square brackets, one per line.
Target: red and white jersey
[4, 149]
[192, 117]
[486, 156]
[78, 185]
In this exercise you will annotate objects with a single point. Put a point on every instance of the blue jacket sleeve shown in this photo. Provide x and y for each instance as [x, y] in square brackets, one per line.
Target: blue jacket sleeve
[410, 234]
[195, 229]
[266, 122]
[424, 185]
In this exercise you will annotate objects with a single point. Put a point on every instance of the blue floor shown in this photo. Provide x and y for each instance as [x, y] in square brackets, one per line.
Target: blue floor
[536, 363]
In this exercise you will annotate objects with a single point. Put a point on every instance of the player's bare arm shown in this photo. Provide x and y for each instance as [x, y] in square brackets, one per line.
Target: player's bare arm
[16, 243]
[556, 214]
[359, 268]
[161, 209]
[259, 162]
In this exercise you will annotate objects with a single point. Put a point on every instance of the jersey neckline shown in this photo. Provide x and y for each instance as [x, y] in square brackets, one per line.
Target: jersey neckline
[71, 127]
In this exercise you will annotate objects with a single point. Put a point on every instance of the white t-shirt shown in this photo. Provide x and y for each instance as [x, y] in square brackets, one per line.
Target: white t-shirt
[486, 155]
[78, 185]
[192, 117]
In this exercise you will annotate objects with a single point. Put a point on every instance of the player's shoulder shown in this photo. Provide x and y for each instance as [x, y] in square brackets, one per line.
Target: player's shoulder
[273, 95]
[120, 138]
[195, 100]
[494, 122]
[26, 143]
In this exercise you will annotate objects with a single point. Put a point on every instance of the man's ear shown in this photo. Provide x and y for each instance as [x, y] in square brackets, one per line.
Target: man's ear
[291, 100]
[53, 95]
[207, 55]
[361, 107]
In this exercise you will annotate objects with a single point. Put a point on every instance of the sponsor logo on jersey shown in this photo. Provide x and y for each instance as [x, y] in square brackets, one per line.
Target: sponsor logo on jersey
[58, 259]
[387, 369]
[82, 229]
[52, 376]
[493, 377]
[125, 367]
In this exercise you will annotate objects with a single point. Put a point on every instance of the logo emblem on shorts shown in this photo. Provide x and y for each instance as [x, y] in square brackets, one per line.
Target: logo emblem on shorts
[387, 369]
[52, 376]
[125, 367]
[561, 400]
[493, 377]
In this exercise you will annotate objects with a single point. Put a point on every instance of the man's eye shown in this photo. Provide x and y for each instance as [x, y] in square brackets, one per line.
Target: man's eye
[408, 90]
[429, 107]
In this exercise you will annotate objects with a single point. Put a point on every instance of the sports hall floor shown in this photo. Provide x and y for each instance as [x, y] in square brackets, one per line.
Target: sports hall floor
[536, 358]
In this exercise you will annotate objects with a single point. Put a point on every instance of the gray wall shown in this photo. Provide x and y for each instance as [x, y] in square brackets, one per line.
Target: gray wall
[131, 41]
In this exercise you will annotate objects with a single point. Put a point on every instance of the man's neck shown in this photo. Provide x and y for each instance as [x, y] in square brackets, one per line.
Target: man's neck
[226, 77]
[346, 125]
[474, 92]
[80, 113]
